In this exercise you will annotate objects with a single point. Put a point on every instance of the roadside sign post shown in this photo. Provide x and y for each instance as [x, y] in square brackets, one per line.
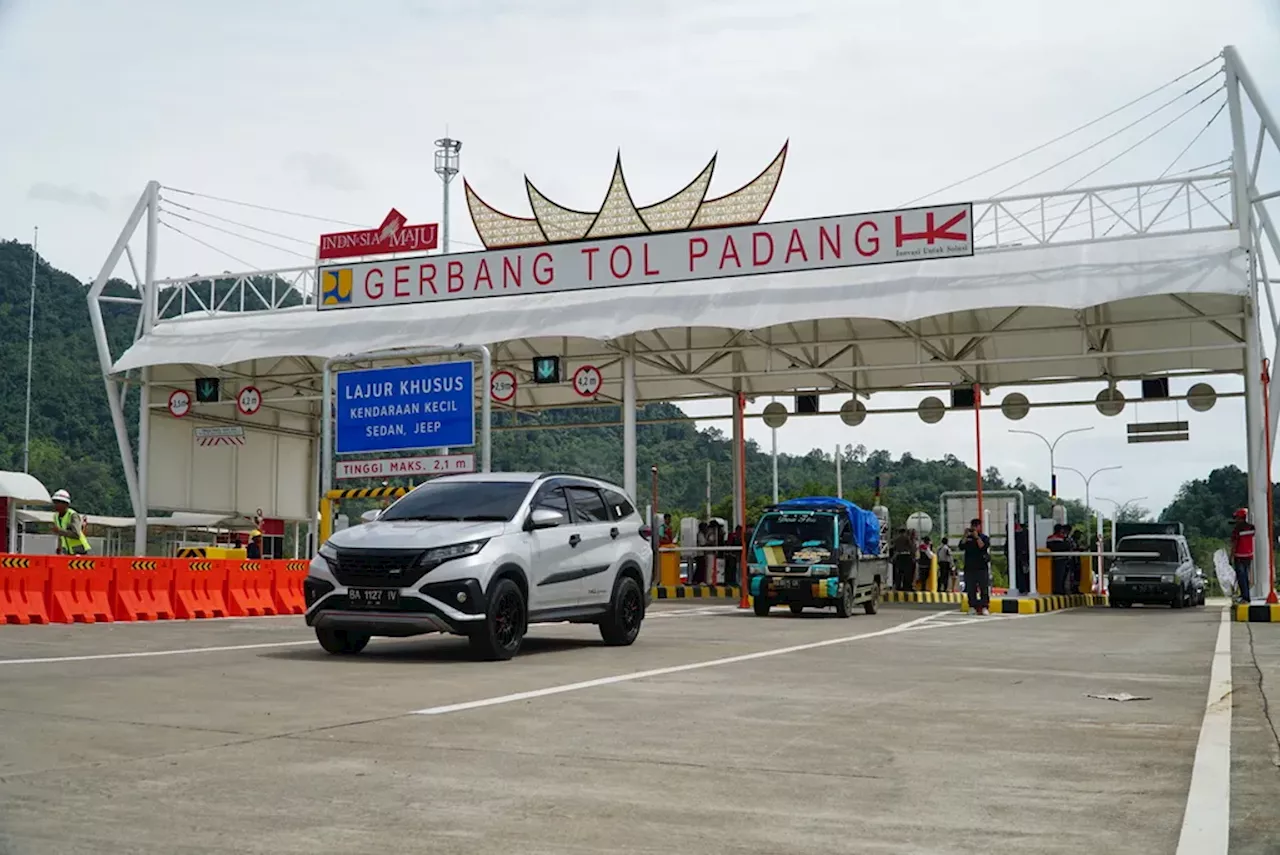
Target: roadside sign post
[391, 419]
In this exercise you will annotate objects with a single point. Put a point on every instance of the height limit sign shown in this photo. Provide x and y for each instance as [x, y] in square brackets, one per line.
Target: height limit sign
[587, 381]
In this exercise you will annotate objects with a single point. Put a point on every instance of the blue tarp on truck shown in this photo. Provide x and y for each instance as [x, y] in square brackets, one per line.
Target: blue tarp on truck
[866, 525]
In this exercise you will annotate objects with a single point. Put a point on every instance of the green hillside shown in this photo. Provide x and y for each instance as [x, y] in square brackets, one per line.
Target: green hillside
[73, 444]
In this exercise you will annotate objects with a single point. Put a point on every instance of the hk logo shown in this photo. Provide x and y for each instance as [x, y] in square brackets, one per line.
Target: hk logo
[336, 287]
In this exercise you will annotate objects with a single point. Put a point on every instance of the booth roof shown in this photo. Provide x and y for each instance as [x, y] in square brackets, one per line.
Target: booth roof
[178, 520]
[22, 487]
[1064, 277]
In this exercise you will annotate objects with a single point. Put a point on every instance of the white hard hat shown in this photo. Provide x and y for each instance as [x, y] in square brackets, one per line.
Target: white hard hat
[62, 496]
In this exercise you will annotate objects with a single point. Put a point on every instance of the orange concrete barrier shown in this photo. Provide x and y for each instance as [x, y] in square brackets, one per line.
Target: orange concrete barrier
[249, 588]
[80, 589]
[142, 589]
[24, 583]
[286, 586]
[198, 588]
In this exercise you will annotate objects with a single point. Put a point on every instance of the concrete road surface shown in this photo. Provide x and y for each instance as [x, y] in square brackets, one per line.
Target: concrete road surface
[912, 731]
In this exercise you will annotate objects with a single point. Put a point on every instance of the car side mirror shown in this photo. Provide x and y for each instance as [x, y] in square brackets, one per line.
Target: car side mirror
[546, 518]
[370, 515]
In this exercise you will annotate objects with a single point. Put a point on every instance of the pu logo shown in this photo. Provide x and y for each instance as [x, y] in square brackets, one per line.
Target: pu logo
[336, 287]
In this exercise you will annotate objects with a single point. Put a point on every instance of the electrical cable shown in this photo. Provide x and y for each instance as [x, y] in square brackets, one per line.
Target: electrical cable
[237, 260]
[1069, 133]
[266, 208]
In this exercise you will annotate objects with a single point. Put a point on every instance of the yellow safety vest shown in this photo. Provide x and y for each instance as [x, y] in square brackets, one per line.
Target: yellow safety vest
[68, 544]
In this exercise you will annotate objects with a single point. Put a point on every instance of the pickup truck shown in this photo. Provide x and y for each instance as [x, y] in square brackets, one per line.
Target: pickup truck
[1171, 577]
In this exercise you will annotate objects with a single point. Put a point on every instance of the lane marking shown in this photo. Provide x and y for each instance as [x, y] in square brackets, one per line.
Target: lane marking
[1206, 825]
[141, 654]
[692, 666]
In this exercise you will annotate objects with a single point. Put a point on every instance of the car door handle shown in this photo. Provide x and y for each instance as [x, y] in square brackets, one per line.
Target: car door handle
[575, 539]
[613, 532]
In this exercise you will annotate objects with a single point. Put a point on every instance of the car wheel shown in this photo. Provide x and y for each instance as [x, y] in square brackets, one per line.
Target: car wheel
[1179, 599]
[797, 609]
[845, 605]
[341, 642]
[760, 605]
[873, 604]
[501, 634]
[1113, 602]
[626, 612]
[1200, 598]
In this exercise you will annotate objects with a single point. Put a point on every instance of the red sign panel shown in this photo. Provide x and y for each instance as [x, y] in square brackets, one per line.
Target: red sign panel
[392, 236]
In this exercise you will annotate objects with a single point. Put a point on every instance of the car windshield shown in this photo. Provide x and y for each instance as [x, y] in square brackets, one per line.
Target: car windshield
[794, 537]
[460, 501]
[1167, 549]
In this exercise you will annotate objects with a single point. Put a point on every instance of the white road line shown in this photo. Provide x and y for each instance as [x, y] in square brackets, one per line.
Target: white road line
[1206, 825]
[673, 669]
[148, 653]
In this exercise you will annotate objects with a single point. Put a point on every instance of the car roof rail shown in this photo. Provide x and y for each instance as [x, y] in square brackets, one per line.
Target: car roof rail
[574, 475]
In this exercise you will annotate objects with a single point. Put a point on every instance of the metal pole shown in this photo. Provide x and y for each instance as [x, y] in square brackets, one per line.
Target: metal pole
[144, 376]
[1259, 477]
[1033, 551]
[977, 436]
[1011, 530]
[628, 423]
[741, 402]
[31, 333]
[773, 436]
[839, 479]
[708, 489]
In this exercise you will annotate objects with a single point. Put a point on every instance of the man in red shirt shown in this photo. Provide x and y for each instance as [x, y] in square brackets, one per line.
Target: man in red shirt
[1242, 543]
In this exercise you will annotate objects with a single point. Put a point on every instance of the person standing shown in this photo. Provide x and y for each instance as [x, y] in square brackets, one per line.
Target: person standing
[976, 547]
[900, 556]
[1022, 545]
[1057, 542]
[924, 563]
[68, 526]
[253, 549]
[945, 579]
[1242, 549]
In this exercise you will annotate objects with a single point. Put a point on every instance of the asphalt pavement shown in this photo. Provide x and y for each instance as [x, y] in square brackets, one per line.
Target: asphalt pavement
[917, 730]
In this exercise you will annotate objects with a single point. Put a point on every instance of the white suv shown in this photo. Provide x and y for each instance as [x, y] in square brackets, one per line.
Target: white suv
[484, 556]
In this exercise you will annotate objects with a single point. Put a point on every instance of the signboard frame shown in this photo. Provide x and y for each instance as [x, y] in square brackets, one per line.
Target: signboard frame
[820, 243]
[406, 408]
[406, 467]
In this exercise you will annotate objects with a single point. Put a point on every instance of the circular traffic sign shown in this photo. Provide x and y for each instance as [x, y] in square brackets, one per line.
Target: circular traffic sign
[587, 381]
[249, 400]
[502, 386]
[179, 403]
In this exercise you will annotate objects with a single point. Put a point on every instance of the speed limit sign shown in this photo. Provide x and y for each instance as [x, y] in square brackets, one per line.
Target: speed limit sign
[249, 401]
[587, 381]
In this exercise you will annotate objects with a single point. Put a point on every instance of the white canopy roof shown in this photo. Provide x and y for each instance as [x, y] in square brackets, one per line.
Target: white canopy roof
[1204, 272]
[23, 488]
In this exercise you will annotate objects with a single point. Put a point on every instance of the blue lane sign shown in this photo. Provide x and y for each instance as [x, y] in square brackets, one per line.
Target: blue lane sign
[397, 409]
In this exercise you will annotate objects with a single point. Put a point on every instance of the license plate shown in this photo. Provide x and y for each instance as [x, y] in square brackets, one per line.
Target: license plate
[788, 583]
[373, 598]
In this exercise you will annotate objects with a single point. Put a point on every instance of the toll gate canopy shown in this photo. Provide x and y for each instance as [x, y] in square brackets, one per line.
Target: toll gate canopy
[1104, 284]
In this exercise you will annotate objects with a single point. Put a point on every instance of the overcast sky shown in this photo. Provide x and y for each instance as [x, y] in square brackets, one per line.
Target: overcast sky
[331, 108]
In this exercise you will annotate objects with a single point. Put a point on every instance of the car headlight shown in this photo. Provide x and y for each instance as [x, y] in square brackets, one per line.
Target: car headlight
[1117, 577]
[1166, 579]
[328, 553]
[440, 554]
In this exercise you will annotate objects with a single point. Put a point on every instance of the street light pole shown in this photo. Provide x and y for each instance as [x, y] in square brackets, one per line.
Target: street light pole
[1115, 517]
[1052, 446]
[1088, 479]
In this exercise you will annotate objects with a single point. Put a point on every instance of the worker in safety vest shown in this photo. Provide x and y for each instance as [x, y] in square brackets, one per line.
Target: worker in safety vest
[68, 526]
[1242, 537]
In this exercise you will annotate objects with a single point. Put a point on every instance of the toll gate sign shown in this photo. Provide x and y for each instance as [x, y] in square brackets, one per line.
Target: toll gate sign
[404, 408]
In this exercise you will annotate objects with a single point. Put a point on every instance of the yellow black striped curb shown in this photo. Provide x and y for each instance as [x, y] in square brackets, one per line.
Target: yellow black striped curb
[920, 597]
[695, 592]
[1263, 613]
[1037, 605]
